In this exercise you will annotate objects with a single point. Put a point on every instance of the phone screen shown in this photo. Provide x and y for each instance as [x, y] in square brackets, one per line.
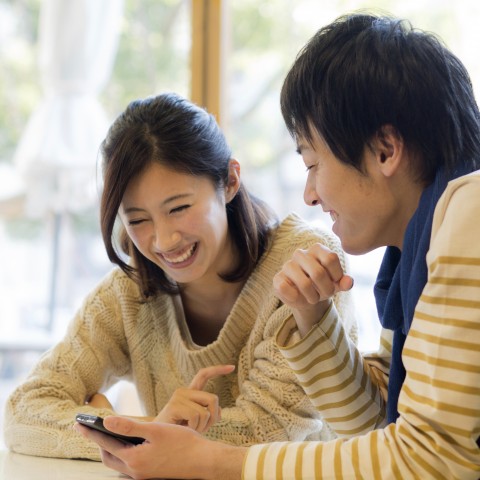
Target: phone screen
[92, 421]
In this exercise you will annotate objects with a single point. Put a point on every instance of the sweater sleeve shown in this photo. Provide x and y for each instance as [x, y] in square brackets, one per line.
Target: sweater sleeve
[272, 404]
[438, 428]
[40, 413]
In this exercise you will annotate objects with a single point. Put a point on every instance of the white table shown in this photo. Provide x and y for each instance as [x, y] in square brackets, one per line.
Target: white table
[14, 466]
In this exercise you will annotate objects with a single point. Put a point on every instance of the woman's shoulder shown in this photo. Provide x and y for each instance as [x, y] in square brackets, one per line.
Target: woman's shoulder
[118, 284]
[294, 232]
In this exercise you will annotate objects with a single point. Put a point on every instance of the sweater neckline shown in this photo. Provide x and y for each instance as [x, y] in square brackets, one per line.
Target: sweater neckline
[245, 310]
[239, 321]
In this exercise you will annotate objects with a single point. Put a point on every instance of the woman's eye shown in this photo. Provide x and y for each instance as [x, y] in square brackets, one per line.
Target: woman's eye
[309, 167]
[135, 222]
[179, 209]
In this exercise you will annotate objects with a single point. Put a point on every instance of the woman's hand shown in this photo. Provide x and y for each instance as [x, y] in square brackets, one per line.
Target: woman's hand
[169, 451]
[307, 282]
[192, 406]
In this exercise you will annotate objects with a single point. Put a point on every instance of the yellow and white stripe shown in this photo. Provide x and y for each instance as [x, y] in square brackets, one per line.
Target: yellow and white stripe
[439, 405]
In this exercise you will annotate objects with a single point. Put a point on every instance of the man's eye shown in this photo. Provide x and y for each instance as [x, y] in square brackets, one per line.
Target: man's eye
[309, 167]
[179, 209]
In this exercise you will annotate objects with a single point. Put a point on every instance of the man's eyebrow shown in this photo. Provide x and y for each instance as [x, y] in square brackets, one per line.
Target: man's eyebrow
[168, 200]
[300, 146]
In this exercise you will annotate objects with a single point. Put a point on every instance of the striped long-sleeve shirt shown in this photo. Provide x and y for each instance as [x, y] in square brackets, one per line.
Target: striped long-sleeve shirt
[436, 434]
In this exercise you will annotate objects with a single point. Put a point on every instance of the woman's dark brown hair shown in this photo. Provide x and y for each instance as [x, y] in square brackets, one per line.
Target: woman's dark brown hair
[178, 134]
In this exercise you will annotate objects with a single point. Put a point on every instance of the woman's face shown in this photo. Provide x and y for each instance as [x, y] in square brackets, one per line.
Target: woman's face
[179, 222]
[369, 209]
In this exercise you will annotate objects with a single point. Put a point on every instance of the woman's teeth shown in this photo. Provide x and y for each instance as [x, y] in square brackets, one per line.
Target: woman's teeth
[181, 258]
[333, 216]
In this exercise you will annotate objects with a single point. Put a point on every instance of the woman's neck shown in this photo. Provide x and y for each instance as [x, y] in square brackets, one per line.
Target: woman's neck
[206, 308]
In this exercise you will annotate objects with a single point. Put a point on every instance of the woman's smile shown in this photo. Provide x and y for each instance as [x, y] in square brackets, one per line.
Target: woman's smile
[182, 258]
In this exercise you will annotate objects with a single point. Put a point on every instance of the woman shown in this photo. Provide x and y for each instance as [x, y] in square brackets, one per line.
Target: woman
[386, 122]
[193, 297]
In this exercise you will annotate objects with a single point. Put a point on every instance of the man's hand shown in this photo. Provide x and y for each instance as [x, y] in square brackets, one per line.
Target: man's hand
[307, 282]
[169, 451]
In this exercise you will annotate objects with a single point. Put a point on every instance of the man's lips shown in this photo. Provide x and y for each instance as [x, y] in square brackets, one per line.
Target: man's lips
[333, 215]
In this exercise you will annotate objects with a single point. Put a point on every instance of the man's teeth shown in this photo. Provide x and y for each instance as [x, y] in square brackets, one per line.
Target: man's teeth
[180, 258]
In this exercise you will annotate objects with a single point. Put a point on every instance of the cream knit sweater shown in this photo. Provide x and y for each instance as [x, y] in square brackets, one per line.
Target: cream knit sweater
[115, 336]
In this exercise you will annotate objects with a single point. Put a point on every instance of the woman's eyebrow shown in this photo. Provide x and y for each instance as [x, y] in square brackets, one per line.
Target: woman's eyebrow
[168, 200]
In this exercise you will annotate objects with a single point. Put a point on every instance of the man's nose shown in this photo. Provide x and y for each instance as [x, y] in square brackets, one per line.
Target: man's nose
[310, 196]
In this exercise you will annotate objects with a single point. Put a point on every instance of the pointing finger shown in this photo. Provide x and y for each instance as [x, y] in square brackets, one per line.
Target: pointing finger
[205, 374]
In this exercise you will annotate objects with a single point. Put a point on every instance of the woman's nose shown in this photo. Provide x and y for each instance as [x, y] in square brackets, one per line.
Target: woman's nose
[166, 239]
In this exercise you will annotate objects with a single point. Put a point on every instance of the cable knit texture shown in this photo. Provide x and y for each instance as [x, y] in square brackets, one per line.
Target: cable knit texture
[116, 336]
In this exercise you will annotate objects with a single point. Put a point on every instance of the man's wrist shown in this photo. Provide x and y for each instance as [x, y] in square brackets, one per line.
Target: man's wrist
[306, 321]
[221, 461]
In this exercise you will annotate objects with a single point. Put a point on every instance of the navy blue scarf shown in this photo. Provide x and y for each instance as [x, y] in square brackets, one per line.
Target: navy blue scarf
[401, 279]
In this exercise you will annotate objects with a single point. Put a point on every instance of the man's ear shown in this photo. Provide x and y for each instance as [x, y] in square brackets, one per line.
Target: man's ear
[233, 184]
[388, 147]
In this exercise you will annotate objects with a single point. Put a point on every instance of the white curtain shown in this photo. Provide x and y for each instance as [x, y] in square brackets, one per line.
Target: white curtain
[58, 151]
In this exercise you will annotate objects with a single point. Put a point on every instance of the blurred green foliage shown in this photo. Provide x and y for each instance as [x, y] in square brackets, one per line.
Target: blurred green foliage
[19, 90]
[153, 53]
[153, 56]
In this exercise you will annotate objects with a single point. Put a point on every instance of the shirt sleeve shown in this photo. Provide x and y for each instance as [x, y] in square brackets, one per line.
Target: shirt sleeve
[349, 390]
[437, 431]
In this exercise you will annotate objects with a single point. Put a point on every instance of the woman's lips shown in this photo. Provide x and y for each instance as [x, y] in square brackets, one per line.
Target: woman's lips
[182, 257]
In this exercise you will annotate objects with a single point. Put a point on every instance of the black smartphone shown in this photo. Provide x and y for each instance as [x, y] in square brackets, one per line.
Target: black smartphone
[92, 421]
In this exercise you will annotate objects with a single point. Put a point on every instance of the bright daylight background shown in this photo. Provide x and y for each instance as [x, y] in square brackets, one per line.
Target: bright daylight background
[65, 75]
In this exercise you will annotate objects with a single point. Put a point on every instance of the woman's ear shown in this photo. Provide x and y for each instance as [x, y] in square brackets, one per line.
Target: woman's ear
[389, 149]
[233, 184]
